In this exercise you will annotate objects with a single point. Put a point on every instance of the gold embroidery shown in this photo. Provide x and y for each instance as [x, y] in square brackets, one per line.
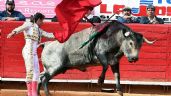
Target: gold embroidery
[35, 36]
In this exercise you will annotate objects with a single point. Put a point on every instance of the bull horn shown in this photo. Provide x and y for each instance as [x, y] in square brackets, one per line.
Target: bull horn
[147, 41]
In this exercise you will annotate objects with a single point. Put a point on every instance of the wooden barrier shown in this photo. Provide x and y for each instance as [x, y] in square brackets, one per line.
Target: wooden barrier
[154, 63]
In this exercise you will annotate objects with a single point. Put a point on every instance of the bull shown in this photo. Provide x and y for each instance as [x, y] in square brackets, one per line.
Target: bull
[106, 49]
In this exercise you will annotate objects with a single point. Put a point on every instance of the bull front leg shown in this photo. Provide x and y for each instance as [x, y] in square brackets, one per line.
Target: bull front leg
[116, 72]
[103, 60]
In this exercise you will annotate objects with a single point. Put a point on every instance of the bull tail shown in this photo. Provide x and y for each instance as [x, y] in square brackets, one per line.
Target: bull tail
[44, 44]
[41, 45]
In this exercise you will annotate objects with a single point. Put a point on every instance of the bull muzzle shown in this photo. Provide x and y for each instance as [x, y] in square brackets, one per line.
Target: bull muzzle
[148, 41]
[133, 59]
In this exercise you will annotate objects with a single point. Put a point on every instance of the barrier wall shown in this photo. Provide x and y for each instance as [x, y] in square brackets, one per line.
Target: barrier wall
[1, 67]
[154, 63]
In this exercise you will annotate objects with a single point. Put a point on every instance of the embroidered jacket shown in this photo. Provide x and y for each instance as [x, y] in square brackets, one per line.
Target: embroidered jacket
[32, 31]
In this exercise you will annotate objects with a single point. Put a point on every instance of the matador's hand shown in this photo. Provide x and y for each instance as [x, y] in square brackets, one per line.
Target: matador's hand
[10, 34]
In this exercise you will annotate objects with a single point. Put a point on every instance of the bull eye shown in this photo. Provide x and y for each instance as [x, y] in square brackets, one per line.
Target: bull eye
[131, 43]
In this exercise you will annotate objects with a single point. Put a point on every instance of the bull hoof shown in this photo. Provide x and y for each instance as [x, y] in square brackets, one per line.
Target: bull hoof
[120, 93]
[100, 82]
[49, 95]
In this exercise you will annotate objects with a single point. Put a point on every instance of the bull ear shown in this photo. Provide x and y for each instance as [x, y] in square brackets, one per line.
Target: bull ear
[126, 33]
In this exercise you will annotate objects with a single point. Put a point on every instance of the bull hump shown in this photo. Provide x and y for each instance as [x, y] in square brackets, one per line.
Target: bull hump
[76, 39]
[100, 27]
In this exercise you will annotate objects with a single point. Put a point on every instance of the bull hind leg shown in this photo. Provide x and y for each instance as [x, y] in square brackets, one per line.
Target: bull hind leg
[44, 82]
[38, 88]
[48, 75]
[40, 82]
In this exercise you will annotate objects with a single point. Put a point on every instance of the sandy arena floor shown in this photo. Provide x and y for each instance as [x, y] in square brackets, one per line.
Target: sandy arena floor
[77, 89]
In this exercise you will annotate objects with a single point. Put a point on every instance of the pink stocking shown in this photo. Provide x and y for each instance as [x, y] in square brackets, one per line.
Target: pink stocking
[29, 88]
[34, 88]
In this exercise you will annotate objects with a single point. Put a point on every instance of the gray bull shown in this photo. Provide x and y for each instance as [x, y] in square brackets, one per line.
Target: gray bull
[115, 40]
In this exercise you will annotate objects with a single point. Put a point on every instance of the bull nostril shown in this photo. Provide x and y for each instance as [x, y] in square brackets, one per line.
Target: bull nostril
[135, 58]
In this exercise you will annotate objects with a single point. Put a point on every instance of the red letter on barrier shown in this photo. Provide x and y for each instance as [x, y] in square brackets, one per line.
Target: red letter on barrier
[160, 10]
[142, 11]
[117, 8]
[168, 11]
[103, 8]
